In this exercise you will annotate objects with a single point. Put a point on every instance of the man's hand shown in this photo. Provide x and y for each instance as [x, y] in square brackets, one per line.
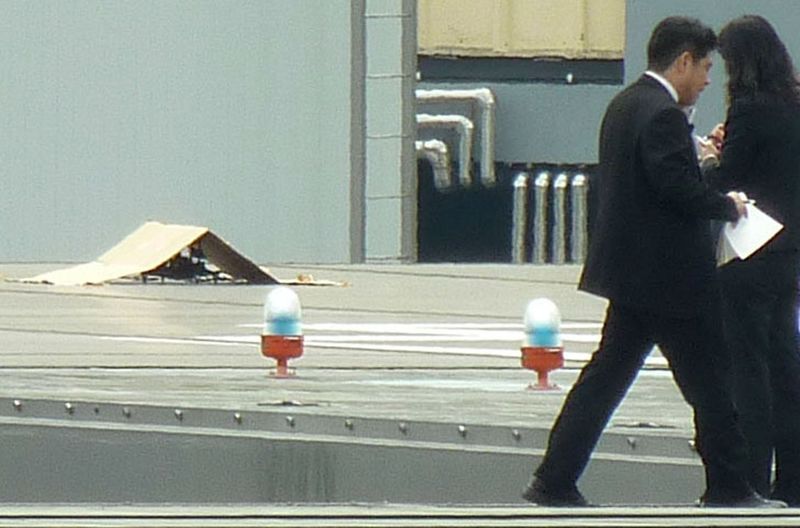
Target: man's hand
[741, 201]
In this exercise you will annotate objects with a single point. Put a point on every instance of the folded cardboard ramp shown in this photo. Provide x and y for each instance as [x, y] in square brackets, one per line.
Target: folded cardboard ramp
[151, 246]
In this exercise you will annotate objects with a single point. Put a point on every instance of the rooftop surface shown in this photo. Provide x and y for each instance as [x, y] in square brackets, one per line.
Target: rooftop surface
[418, 342]
[428, 343]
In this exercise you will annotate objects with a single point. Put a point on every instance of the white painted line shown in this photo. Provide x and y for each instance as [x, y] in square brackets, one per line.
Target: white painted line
[250, 341]
[578, 357]
[509, 337]
[484, 385]
[405, 328]
[458, 351]
[180, 341]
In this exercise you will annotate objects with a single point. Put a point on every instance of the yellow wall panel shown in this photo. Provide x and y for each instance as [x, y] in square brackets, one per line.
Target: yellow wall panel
[605, 27]
[453, 25]
[546, 27]
[522, 28]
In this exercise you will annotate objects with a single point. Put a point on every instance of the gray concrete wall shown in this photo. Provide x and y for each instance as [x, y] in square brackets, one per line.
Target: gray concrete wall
[643, 15]
[391, 190]
[253, 118]
[543, 123]
[235, 115]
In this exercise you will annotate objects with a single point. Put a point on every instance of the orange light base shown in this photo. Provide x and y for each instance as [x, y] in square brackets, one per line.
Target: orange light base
[282, 348]
[542, 360]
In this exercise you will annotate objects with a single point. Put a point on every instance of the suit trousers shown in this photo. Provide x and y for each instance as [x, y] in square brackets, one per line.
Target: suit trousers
[700, 365]
[760, 315]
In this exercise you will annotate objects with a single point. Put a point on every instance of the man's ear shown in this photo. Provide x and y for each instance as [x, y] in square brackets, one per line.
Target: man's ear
[684, 61]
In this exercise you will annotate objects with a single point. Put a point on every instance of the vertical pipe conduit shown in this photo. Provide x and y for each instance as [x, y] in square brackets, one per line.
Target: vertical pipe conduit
[541, 187]
[580, 218]
[484, 100]
[558, 253]
[437, 153]
[555, 219]
[519, 213]
[551, 224]
[464, 129]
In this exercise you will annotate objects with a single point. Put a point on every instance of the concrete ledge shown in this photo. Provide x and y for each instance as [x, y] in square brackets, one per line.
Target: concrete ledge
[79, 452]
[412, 515]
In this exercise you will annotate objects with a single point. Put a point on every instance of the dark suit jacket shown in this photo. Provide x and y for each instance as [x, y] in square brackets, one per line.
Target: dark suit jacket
[651, 245]
[761, 157]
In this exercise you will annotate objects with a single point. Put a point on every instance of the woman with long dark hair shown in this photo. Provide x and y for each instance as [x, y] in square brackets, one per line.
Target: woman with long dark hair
[760, 156]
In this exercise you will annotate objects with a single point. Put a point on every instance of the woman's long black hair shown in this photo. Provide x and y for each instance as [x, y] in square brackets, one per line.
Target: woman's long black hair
[759, 66]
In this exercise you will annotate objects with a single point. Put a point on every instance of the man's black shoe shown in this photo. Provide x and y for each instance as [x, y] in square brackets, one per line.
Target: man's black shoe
[540, 494]
[753, 500]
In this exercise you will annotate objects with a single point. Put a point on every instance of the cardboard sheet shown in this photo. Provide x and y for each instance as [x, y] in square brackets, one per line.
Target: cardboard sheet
[152, 245]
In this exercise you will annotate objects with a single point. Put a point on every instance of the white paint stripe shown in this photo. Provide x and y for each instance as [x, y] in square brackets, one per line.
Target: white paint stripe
[581, 338]
[582, 326]
[579, 357]
[509, 337]
[404, 328]
[327, 341]
[460, 351]
[409, 338]
[181, 341]
[249, 341]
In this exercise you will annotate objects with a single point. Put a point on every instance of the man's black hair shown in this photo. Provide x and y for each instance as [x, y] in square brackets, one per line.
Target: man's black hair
[675, 35]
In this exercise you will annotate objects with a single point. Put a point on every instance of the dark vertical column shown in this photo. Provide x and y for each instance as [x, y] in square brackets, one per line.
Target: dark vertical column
[409, 242]
[358, 116]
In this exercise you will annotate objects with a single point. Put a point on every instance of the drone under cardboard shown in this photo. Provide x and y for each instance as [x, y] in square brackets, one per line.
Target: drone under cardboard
[164, 252]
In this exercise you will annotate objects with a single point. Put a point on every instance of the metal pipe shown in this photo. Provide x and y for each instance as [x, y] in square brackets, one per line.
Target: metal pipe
[484, 100]
[541, 186]
[464, 128]
[559, 239]
[580, 217]
[487, 103]
[437, 153]
[519, 214]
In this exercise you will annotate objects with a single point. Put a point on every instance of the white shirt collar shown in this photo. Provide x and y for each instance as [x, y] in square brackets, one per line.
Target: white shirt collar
[665, 83]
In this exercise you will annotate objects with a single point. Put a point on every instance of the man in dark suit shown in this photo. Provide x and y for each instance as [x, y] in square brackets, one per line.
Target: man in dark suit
[651, 257]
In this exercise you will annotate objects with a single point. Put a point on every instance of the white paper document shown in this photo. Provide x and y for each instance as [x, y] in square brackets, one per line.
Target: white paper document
[748, 235]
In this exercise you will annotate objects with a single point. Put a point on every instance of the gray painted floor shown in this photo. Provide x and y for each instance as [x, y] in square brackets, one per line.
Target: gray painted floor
[408, 342]
[421, 342]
